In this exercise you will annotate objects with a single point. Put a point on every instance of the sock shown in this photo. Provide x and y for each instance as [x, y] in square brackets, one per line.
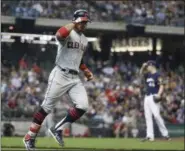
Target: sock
[38, 118]
[33, 131]
[72, 115]
[65, 122]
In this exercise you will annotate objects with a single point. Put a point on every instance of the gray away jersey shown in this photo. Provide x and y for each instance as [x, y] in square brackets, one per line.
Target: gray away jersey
[71, 50]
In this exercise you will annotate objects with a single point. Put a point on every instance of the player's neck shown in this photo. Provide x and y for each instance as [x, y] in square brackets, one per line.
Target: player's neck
[79, 32]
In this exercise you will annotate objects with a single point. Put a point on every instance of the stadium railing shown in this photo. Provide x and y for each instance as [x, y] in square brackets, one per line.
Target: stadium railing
[109, 26]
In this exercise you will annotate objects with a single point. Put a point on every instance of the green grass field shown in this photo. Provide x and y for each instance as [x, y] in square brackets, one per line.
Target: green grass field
[94, 144]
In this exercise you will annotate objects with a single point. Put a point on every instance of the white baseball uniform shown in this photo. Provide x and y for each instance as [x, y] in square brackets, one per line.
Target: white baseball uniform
[69, 56]
[153, 108]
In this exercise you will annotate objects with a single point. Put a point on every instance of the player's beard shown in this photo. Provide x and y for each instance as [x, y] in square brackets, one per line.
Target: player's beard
[82, 28]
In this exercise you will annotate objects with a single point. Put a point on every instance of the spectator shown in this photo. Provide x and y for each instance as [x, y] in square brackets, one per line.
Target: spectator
[22, 63]
[161, 12]
[16, 81]
[115, 99]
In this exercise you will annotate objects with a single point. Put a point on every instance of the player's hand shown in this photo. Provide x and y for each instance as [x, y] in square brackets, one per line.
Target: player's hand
[157, 98]
[80, 19]
[144, 64]
[88, 74]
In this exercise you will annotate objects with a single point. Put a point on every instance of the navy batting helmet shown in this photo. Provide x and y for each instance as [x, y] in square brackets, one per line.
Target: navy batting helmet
[151, 62]
[81, 13]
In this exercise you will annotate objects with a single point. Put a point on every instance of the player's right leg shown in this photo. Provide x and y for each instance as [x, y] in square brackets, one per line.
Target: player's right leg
[29, 138]
[54, 91]
[149, 120]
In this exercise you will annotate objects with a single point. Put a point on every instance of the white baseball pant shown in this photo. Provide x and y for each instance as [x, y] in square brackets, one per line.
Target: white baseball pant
[59, 83]
[152, 108]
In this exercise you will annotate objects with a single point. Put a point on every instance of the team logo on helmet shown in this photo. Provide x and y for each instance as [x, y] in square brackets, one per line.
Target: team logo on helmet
[86, 14]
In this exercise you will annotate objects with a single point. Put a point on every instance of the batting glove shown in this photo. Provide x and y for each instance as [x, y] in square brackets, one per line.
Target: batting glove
[88, 74]
[157, 98]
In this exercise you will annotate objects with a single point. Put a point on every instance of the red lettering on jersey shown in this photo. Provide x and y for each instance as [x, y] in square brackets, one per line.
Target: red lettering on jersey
[69, 44]
[75, 45]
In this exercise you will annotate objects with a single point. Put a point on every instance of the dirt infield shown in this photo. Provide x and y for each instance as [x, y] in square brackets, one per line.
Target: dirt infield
[178, 139]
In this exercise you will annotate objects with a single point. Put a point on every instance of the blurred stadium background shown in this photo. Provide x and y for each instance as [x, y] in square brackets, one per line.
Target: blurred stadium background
[122, 35]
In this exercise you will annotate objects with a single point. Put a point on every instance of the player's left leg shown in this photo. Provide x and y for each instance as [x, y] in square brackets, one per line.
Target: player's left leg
[156, 112]
[79, 97]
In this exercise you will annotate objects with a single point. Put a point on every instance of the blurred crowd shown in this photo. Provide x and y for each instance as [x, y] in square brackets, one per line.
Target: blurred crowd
[163, 12]
[115, 95]
[21, 89]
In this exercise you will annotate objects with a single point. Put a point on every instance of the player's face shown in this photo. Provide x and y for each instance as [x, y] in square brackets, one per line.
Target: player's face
[149, 68]
[81, 26]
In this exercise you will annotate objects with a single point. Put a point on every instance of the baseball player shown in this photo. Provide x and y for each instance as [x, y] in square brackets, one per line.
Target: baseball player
[64, 78]
[152, 98]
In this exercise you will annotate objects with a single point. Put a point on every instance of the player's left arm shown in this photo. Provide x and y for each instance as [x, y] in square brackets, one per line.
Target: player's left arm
[158, 96]
[88, 74]
[161, 86]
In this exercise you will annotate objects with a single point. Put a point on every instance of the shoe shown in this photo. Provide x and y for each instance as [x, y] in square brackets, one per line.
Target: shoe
[167, 138]
[147, 139]
[29, 143]
[57, 135]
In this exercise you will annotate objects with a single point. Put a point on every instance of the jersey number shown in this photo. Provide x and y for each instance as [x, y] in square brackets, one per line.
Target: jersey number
[151, 84]
[75, 45]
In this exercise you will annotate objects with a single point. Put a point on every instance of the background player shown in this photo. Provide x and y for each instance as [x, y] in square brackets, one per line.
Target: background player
[152, 98]
[64, 79]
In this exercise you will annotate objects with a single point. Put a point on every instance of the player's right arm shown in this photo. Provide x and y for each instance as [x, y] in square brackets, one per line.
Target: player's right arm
[143, 69]
[64, 31]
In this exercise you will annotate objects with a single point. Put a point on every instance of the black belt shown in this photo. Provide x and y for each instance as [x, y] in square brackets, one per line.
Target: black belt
[148, 94]
[68, 70]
